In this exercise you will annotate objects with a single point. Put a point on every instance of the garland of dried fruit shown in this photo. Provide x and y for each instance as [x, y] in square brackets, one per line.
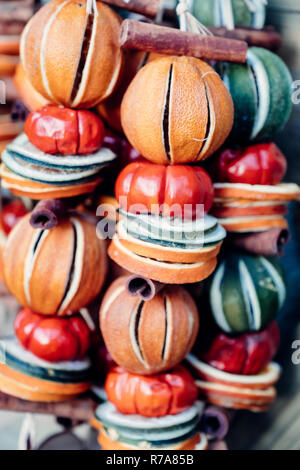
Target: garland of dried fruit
[59, 267]
[55, 265]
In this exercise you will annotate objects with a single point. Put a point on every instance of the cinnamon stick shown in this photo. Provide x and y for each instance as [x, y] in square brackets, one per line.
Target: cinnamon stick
[215, 422]
[143, 287]
[163, 40]
[268, 243]
[48, 213]
[267, 38]
[143, 7]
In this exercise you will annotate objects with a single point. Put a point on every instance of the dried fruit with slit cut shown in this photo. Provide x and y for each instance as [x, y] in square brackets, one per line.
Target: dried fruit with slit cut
[177, 110]
[70, 57]
[58, 271]
[148, 337]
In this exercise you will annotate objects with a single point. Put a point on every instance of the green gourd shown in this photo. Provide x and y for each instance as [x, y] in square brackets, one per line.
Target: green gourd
[261, 92]
[246, 292]
[229, 13]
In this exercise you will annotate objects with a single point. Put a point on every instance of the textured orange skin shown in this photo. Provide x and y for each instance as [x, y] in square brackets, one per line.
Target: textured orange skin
[165, 274]
[26, 187]
[194, 86]
[50, 272]
[115, 328]
[238, 193]
[107, 444]
[109, 109]
[279, 222]
[63, 50]
[31, 98]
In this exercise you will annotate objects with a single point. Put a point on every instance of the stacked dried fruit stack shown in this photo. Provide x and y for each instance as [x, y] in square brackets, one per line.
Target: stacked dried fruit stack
[247, 290]
[166, 239]
[186, 116]
[13, 17]
[146, 339]
[57, 273]
[53, 262]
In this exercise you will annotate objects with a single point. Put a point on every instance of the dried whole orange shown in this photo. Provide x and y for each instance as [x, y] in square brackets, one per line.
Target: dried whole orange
[149, 337]
[30, 97]
[109, 109]
[54, 272]
[70, 57]
[177, 110]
